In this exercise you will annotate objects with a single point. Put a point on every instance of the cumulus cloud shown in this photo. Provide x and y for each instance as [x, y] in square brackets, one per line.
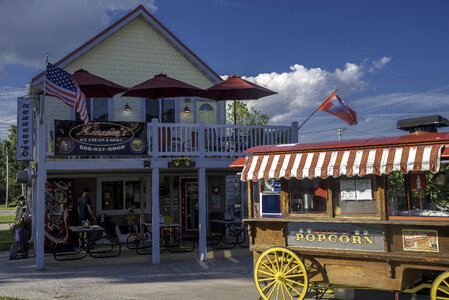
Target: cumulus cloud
[379, 64]
[30, 28]
[302, 89]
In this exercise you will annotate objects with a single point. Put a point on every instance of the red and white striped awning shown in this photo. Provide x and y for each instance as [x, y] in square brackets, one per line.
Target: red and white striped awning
[359, 162]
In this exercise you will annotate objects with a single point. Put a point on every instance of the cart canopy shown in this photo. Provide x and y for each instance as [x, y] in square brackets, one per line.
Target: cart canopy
[350, 158]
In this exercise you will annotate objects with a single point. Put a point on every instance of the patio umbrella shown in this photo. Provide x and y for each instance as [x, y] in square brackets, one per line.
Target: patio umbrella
[161, 86]
[94, 86]
[236, 88]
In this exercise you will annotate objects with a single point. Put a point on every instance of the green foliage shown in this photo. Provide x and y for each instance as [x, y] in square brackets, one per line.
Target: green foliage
[14, 188]
[245, 116]
[6, 239]
[7, 219]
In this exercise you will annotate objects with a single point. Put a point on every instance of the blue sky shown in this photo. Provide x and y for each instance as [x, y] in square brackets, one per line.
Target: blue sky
[389, 59]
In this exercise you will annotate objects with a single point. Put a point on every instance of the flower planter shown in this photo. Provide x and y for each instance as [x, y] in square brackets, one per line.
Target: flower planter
[181, 164]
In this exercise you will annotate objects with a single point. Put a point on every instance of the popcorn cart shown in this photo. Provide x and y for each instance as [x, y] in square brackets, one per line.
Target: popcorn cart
[370, 213]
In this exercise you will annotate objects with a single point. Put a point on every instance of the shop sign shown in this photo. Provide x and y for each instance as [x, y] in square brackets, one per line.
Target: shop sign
[356, 237]
[24, 129]
[420, 240]
[418, 181]
[100, 138]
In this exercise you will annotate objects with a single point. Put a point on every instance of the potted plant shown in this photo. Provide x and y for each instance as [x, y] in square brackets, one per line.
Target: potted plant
[181, 162]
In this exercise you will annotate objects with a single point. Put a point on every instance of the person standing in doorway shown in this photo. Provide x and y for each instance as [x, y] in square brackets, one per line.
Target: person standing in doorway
[85, 210]
[85, 213]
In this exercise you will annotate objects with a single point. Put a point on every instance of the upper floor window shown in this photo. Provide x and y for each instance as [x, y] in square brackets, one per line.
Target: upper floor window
[153, 109]
[97, 109]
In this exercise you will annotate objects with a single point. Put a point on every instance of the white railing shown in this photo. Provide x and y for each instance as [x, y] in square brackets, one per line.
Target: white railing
[200, 139]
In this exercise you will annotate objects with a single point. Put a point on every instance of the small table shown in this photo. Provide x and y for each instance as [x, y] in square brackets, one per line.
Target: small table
[236, 231]
[171, 236]
[85, 249]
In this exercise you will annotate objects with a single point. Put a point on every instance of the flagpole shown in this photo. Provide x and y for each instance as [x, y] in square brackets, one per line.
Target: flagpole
[41, 107]
[314, 111]
[307, 118]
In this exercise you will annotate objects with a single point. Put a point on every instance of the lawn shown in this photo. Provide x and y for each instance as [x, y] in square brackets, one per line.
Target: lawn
[2, 206]
[7, 219]
[6, 240]
[9, 298]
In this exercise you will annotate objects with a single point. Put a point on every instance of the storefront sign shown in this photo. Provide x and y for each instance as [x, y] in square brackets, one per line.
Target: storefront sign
[356, 237]
[418, 181]
[100, 138]
[24, 129]
[420, 240]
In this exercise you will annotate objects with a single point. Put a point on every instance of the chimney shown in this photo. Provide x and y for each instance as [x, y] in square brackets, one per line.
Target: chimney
[422, 125]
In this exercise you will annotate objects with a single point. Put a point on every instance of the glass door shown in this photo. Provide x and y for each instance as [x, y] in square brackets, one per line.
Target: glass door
[189, 200]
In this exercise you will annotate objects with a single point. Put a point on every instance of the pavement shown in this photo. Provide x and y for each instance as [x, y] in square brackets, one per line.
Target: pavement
[227, 274]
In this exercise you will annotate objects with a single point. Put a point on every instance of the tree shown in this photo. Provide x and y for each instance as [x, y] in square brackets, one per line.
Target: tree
[15, 188]
[245, 116]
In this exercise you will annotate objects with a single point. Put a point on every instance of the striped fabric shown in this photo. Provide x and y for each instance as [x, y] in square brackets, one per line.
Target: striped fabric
[337, 163]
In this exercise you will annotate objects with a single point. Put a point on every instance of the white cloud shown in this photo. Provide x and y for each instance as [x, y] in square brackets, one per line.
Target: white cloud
[30, 28]
[379, 64]
[302, 89]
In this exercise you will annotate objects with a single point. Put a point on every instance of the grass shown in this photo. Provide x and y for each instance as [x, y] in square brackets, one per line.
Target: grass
[6, 240]
[9, 298]
[2, 206]
[7, 219]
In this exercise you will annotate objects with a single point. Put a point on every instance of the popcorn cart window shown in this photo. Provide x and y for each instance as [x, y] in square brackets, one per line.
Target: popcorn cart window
[355, 195]
[308, 196]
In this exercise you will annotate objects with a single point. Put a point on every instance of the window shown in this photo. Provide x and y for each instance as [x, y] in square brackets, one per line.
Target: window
[97, 109]
[120, 195]
[355, 195]
[418, 194]
[206, 107]
[308, 196]
[169, 111]
[151, 109]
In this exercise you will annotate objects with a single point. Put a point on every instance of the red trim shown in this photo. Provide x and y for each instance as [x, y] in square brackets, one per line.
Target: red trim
[372, 143]
[140, 7]
[419, 218]
[239, 162]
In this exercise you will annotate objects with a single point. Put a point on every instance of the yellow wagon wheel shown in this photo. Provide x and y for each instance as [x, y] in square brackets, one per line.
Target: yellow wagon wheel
[440, 287]
[280, 274]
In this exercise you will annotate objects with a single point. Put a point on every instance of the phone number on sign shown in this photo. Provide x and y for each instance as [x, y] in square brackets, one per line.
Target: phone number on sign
[101, 149]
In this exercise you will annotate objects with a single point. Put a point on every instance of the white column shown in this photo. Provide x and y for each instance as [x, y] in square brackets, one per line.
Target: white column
[155, 216]
[202, 213]
[40, 199]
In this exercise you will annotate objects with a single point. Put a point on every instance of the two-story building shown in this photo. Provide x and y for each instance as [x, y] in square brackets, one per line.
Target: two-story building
[128, 52]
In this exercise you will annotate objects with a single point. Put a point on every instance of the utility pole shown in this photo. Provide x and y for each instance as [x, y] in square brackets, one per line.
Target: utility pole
[7, 175]
[339, 131]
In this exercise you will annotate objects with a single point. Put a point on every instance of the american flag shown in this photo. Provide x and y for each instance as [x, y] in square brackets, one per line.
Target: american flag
[60, 84]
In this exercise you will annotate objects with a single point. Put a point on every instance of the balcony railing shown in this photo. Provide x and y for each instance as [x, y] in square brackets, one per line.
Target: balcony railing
[203, 140]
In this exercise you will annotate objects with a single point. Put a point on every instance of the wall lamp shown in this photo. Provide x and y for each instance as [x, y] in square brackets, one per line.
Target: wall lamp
[127, 107]
[187, 110]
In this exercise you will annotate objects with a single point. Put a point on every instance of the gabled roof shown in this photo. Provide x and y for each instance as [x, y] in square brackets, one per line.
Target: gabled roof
[138, 11]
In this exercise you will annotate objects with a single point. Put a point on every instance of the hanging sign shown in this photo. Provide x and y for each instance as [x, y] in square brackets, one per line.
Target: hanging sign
[418, 181]
[24, 129]
[100, 138]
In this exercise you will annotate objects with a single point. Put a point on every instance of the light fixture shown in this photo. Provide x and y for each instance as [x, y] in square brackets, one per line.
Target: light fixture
[127, 107]
[187, 110]
[146, 164]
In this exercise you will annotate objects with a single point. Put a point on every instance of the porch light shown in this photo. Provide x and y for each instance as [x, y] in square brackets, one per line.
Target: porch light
[187, 110]
[127, 107]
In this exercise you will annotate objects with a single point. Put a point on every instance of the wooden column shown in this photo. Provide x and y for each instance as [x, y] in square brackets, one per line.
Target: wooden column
[155, 216]
[202, 211]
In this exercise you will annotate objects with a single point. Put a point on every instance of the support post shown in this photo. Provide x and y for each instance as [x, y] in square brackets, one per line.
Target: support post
[155, 216]
[294, 137]
[202, 213]
[40, 199]
[201, 139]
[154, 138]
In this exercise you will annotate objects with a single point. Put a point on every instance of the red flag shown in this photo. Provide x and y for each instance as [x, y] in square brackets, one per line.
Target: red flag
[334, 105]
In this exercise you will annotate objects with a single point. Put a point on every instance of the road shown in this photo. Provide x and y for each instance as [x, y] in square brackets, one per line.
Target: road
[134, 277]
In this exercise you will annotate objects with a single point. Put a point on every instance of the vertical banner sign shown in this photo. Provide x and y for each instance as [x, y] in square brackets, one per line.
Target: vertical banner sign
[24, 129]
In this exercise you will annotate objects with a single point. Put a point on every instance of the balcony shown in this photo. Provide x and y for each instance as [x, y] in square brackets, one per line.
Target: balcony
[198, 140]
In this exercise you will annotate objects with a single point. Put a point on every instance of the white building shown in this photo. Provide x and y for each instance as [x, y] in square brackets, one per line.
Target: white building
[128, 52]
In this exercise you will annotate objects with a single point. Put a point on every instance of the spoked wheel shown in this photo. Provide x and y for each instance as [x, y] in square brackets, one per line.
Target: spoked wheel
[440, 287]
[280, 274]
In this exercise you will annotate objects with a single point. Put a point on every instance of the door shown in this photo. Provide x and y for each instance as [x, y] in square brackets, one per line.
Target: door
[189, 204]
[207, 112]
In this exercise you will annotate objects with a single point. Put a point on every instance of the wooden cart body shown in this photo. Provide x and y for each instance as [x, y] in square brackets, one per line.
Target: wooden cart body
[367, 250]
